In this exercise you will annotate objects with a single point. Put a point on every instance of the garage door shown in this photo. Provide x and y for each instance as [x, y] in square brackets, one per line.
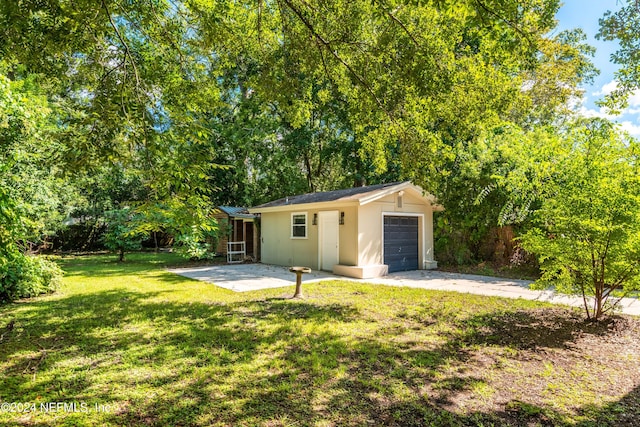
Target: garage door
[401, 243]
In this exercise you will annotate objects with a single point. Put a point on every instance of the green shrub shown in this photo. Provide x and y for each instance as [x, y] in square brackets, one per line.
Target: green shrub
[23, 276]
[194, 245]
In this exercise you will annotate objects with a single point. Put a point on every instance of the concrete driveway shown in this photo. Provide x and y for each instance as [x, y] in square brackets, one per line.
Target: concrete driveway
[251, 277]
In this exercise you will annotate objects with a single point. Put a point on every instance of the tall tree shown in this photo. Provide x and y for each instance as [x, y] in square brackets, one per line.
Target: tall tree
[134, 82]
[414, 81]
[623, 26]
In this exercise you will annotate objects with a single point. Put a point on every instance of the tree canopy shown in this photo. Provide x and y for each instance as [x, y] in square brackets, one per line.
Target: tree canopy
[372, 81]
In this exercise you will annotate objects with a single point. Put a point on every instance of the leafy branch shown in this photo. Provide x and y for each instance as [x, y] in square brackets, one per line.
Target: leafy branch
[335, 54]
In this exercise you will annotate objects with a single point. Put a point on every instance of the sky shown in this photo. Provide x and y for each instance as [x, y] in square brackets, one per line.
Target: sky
[585, 14]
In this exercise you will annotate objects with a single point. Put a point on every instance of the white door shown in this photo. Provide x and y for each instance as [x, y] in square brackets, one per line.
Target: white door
[328, 239]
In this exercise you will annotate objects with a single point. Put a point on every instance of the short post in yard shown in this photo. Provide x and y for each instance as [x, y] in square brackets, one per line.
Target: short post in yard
[299, 272]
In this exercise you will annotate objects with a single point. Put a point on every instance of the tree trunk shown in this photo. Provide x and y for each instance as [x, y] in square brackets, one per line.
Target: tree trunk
[307, 163]
[598, 301]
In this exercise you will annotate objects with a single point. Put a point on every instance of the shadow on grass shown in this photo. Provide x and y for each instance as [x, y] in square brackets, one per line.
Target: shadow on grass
[530, 329]
[265, 362]
[107, 265]
[624, 413]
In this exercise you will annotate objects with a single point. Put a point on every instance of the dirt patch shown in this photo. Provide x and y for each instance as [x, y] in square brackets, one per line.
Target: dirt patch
[538, 366]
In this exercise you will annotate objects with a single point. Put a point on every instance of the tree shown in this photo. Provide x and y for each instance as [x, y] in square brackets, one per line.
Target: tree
[587, 234]
[133, 84]
[122, 235]
[25, 202]
[189, 220]
[407, 101]
[623, 26]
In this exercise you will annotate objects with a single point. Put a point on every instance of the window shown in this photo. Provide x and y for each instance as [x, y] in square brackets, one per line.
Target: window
[298, 225]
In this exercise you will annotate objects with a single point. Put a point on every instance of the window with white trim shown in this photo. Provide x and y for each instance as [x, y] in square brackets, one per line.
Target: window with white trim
[299, 225]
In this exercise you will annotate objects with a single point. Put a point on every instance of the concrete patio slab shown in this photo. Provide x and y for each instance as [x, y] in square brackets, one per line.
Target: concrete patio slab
[251, 277]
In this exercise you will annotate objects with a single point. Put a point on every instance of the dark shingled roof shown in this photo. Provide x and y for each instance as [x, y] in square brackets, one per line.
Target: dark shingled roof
[327, 196]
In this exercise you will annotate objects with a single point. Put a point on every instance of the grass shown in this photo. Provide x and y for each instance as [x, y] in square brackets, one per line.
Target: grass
[133, 345]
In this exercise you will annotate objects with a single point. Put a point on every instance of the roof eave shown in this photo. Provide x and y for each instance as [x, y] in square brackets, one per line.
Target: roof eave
[304, 206]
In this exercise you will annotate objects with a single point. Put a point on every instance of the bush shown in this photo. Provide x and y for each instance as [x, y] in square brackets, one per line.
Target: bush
[23, 276]
[194, 246]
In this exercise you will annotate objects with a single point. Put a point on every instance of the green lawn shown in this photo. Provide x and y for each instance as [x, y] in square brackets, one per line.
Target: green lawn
[152, 348]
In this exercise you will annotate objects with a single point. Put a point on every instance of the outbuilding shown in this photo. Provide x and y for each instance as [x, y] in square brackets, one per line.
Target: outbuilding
[361, 232]
[239, 234]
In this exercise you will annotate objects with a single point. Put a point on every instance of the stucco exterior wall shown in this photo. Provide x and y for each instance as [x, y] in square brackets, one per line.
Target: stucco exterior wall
[349, 236]
[280, 249]
[370, 228]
